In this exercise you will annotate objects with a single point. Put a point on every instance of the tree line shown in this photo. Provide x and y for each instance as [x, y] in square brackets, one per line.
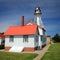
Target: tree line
[56, 38]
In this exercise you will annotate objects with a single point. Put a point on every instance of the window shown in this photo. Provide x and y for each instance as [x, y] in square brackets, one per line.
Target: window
[11, 39]
[41, 38]
[25, 38]
[36, 38]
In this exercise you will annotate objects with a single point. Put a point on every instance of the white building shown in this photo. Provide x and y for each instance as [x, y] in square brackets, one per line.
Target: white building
[29, 36]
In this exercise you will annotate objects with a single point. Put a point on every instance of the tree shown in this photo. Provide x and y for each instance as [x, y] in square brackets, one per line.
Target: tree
[56, 38]
[1, 32]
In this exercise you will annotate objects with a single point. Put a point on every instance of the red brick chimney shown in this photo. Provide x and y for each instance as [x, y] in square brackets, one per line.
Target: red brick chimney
[22, 22]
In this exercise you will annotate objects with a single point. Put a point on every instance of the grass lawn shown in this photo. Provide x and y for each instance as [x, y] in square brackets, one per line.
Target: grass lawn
[53, 52]
[17, 56]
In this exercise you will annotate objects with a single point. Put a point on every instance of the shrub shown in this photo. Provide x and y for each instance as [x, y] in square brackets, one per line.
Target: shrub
[1, 46]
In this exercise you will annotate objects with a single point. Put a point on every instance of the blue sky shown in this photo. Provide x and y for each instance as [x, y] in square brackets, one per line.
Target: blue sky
[12, 10]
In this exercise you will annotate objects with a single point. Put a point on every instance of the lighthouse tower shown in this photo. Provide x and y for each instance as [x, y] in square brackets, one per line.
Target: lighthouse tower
[38, 16]
[40, 24]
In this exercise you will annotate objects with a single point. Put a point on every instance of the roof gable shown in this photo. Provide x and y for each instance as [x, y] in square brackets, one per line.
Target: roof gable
[30, 22]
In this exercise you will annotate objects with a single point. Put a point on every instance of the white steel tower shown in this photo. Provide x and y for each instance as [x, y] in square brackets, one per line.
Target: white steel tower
[39, 23]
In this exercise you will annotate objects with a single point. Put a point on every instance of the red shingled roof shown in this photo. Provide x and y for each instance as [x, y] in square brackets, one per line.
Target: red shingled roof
[21, 30]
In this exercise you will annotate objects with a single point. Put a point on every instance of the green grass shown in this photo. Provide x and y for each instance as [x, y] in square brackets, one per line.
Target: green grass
[17, 56]
[53, 52]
